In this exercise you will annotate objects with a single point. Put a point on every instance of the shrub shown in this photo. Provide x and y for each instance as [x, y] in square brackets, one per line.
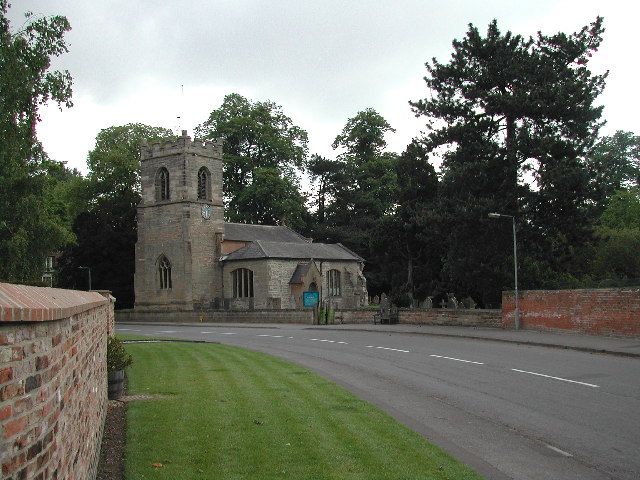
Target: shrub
[117, 357]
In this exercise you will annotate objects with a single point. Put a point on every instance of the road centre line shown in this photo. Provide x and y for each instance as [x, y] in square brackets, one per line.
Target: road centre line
[228, 333]
[557, 378]
[457, 359]
[557, 450]
[272, 336]
[167, 331]
[387, 348]
[325, 340]
[120, 329]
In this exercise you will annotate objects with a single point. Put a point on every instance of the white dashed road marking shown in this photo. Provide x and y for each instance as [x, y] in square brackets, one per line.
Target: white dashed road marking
[228, 333]
[325, 340]
[557, 450]
[457, 359]
[272, 336]
[128, 329]
[387, 348]
[167, 331]
[557, 378]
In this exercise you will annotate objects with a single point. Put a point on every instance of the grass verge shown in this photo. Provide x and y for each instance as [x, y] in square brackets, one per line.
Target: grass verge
[231, 413]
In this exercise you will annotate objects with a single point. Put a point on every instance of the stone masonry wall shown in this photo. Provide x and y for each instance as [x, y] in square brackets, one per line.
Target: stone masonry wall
[218, 316]
[606, 311]
[434, 316]
[53, 381]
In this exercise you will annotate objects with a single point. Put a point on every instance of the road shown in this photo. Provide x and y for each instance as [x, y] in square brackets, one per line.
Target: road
[509, 411]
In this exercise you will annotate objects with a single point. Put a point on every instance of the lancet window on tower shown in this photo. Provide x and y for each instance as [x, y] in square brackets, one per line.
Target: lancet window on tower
[204, 184]
[164, 273]
[162, 185]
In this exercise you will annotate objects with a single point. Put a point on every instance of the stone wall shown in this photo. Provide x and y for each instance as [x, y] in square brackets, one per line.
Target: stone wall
[218, 316]
[271, 283]
[433, 316]
[53, 381]
[605, 311]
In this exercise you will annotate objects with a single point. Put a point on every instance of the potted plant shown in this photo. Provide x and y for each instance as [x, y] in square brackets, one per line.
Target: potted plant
[117, 360]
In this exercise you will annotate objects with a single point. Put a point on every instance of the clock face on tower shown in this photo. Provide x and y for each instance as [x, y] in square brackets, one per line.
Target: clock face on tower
[206, 212]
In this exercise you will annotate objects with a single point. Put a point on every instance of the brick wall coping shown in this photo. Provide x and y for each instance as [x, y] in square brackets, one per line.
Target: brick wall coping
[22, 303]
[511, 293]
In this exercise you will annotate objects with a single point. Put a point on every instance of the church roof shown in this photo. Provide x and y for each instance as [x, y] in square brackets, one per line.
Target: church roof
[289, 250]
[244, 232]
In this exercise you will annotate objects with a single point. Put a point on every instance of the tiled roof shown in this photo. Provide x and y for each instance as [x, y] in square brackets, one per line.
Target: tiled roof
[300, 251]
[244, 232]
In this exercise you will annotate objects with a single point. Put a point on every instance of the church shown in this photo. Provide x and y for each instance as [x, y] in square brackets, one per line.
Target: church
[187, 258]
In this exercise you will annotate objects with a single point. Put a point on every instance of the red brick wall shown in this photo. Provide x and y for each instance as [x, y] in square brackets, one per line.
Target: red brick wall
[606, 311]
[53, 381]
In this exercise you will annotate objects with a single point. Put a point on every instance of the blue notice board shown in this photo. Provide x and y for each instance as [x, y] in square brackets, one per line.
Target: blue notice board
[310, 299]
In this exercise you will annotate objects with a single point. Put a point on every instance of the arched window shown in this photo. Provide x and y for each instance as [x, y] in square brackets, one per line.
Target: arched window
[164, 273]
[204, 184]
[333, 283]
[162, 185]
[242, 281]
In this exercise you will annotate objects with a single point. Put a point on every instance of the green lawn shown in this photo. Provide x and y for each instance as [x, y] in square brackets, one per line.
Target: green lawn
[230, 413]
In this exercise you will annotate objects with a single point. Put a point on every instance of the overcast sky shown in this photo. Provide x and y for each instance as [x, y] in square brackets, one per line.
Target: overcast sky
[323, 61]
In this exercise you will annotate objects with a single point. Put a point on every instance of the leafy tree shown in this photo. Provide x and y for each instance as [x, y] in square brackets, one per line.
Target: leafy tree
[270, 199]
[359, 189]
[29, 229]
[325, 175]
[256, 135]
[114, 162]
[616, 254]
[502, 104]
[623, 210]
[106, 227]
[408, 238]
[614, 164]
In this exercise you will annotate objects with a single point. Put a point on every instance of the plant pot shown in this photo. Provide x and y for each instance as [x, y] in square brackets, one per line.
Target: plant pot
[116, 384]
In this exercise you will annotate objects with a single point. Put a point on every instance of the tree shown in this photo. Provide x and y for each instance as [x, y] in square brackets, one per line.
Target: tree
[502, 104]
[616, 253]
[106, 227]
[270, 199]
[614, 164]
[359, 188]
[114, 162]
[255, 135]
[29, 230]
[407, 237]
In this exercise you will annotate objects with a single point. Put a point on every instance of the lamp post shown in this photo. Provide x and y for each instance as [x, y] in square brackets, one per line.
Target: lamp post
[89, 270]
[515, 263]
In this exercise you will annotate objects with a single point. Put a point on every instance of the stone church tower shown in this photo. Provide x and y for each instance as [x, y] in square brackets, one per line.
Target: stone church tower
[180, 226]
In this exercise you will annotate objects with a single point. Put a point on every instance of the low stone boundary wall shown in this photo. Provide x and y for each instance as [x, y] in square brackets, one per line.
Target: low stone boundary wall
[53, 381]
[602, 311]
[452, 317]
[218, 316]
[432, 316]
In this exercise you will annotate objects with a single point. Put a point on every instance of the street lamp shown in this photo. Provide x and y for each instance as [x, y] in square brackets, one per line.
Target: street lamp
[89, 270]
[515, 262]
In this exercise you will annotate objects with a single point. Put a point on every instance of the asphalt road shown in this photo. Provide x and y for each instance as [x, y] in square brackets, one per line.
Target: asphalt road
[507, 410]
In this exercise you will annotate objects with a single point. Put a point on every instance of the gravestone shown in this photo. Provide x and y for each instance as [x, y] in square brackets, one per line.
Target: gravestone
[451, 301]
[427, 303]
[469, 303]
